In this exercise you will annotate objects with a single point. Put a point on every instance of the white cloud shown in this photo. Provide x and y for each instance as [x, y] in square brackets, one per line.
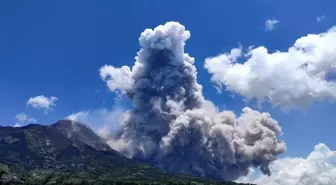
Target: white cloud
[320, 18]
[17, 125]
[319, 168]
[23, 118]
[103, 121]
[32, 120]
[290, 79]
[270, 24]
[42, 103]
[117, 79]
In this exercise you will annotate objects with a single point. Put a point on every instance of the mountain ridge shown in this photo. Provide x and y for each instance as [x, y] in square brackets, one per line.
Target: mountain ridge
[71, 150]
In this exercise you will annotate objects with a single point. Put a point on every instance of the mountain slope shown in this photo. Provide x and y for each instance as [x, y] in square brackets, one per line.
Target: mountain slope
[70, 150]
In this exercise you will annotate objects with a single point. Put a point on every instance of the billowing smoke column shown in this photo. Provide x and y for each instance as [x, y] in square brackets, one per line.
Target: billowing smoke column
[173, 126]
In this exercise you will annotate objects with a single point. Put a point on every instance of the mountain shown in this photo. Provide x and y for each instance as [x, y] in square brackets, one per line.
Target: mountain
[69, 152]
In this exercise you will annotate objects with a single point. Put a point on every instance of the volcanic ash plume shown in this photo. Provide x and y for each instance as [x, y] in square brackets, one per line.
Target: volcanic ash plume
[173, 126]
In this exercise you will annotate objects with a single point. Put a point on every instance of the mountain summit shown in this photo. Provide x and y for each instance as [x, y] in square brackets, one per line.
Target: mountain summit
[69, 152]
[64, 145]
[81, 134]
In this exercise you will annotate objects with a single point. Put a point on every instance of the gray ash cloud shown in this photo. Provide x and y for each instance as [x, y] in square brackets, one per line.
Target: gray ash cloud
[173, 126]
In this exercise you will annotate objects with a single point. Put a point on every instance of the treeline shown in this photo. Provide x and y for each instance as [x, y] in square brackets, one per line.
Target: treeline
[48, 178]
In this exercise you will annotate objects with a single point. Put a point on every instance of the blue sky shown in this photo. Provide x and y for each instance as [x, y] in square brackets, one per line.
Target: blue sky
[55, 48]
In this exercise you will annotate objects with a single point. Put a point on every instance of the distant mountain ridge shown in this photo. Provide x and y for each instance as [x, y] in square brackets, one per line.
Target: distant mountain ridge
[71, 152]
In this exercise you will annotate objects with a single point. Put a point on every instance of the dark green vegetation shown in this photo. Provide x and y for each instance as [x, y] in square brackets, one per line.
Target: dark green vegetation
[71, 153]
